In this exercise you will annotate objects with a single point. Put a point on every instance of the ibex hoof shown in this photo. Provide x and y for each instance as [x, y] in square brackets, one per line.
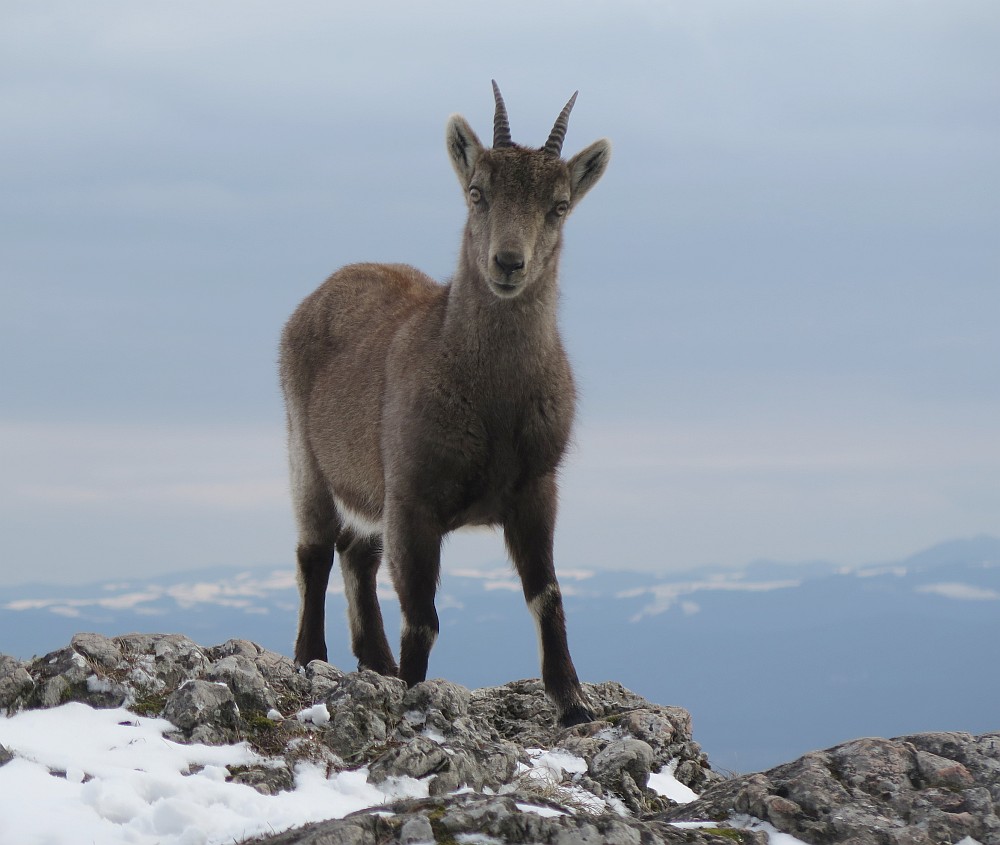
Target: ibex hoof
[387, 669]
[575, 715]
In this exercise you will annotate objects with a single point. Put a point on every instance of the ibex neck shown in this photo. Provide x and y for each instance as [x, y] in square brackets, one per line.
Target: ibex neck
[507, 329]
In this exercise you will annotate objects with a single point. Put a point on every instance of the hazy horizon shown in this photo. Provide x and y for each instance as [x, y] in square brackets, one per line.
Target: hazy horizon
[781, 301]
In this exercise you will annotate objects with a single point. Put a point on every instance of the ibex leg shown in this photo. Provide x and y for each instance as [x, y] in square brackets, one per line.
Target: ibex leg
[359, 561]
[529, 530]
[413, 548]
[315, 563]
[318, 526]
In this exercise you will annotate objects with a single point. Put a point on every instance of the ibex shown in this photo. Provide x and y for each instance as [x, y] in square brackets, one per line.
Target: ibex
[415, 408]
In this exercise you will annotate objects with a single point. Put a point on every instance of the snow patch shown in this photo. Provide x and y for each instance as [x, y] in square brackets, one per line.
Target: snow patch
[317, 714]
[557, 762]
[126, 783]
[540, 811]
[774, 836]
[665, 783]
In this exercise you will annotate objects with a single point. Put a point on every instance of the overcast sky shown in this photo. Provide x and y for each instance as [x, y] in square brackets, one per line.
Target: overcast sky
[782, 301]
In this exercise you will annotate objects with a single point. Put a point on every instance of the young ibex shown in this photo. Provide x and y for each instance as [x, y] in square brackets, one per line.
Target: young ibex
[415, 408]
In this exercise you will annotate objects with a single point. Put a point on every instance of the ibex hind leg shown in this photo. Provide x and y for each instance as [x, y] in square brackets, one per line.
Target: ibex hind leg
[360, 557]
[318, 528]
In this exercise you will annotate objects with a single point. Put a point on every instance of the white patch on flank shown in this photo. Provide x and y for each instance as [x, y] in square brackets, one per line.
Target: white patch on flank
[359, 523]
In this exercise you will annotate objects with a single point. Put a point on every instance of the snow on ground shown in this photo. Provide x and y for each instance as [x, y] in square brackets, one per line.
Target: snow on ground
[665, 783]
[81, 775]
[108, 776]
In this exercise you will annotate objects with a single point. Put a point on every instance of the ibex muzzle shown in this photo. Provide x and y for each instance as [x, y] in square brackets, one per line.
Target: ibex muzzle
[415, 408]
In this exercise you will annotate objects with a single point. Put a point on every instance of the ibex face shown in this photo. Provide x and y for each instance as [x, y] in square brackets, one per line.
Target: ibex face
[518, 198]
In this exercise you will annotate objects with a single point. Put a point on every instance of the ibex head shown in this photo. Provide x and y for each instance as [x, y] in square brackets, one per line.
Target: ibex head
[519, 197]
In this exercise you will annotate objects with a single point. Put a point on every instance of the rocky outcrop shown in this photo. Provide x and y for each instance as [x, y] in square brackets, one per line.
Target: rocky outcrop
[480, 744]
[924, 789]
[496, 766]
[499, 819]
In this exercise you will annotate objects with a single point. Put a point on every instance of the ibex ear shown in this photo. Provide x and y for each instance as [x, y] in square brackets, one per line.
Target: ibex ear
[586, 167]
[464, 148]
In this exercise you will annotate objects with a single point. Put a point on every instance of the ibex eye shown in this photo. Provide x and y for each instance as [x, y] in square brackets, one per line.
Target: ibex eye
[561, 208]
[475, 194]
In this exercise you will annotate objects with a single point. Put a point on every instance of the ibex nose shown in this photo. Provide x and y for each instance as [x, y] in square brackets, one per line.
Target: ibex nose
[509, 261]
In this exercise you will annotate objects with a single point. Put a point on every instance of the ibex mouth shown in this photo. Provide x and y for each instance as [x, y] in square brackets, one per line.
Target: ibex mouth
[505, 289]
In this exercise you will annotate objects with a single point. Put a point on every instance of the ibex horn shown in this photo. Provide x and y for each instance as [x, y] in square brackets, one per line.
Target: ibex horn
[501, 125]
[554, 145]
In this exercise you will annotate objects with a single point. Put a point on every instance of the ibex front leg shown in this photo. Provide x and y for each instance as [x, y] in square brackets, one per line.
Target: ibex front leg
[413, 548]
[529, 530]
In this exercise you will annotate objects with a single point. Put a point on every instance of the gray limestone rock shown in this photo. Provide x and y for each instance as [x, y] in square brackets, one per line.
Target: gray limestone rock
[418, 758]
[474, 750]
[416, 830]
[267, 780]
[67, 675]
[204, 711]
[323, 679]
[364, 709]
[623, 766]
[99, 651]
[241, 674]
[16, 682]
[170, 658]
[496, 820]
[923, 789]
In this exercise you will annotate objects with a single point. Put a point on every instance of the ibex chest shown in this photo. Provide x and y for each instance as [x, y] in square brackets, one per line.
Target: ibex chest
[507, 443]
[470, 453]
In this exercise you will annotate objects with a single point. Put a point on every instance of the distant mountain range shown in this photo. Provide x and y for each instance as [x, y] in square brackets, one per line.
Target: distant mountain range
[772, 660]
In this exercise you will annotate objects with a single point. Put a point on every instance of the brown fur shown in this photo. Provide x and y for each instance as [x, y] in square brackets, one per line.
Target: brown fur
[415, 408]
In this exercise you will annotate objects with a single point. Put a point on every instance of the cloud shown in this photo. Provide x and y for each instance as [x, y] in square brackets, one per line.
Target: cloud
[959, 591]
[667, 595]
[240, 591]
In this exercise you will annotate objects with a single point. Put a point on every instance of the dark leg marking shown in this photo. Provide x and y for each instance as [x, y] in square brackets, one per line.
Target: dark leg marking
[315, 562]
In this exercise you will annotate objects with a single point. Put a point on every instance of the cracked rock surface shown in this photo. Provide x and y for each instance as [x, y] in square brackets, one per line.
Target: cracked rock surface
[922, 789]
[496, 766]
[478, 743]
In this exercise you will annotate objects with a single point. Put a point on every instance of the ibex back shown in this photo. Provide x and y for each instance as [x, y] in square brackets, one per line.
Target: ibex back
[415, 408]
